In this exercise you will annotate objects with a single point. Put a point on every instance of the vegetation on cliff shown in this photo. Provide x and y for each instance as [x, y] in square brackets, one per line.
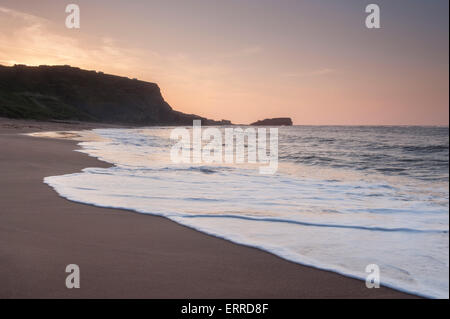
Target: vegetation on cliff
[69, 93]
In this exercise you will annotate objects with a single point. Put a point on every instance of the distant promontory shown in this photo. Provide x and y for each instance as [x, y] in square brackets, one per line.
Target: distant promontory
[279, 121]
[69, 93]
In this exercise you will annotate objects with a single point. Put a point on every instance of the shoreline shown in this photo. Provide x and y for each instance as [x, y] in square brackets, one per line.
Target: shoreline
[127, 254]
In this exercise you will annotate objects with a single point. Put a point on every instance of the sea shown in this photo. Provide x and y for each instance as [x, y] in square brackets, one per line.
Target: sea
[342, 198]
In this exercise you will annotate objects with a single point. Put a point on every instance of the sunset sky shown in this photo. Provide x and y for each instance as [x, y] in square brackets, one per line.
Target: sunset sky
[244, 60]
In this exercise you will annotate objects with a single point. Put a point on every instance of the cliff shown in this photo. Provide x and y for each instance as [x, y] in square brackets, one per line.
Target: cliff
[275, 122]
[68, 93]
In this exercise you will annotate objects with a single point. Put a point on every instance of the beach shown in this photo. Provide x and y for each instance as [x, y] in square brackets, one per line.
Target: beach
[122, 254]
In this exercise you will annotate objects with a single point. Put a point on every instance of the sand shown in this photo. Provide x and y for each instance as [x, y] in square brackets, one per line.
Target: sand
[122, 254]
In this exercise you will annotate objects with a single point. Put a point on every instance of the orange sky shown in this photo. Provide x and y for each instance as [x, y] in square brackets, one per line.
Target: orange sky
[247, 60]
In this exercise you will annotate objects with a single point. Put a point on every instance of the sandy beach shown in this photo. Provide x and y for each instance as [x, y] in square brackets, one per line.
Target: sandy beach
[122, 254]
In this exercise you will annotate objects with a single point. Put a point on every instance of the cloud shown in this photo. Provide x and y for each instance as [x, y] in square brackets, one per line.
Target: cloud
[243, 52]
[318, 72]
[33, 40]
[21, 15]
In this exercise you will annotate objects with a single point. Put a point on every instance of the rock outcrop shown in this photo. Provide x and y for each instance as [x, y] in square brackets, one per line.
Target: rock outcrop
[69, 93]
[279, 121]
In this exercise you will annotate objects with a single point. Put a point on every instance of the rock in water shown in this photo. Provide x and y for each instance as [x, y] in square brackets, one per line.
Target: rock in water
[278, 121]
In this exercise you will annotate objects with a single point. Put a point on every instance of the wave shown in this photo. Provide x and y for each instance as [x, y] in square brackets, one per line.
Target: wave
[296, 222]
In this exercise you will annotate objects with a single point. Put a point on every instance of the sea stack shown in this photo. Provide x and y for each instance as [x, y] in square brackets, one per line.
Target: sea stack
[279, 121]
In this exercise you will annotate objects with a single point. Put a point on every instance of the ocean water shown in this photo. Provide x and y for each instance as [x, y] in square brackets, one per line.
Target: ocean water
[342, 198]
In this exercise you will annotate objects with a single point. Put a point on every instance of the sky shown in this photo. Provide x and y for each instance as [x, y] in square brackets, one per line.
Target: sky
[245, 60]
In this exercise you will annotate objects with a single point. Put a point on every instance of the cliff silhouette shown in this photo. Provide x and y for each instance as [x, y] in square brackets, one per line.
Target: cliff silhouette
[70, 93]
